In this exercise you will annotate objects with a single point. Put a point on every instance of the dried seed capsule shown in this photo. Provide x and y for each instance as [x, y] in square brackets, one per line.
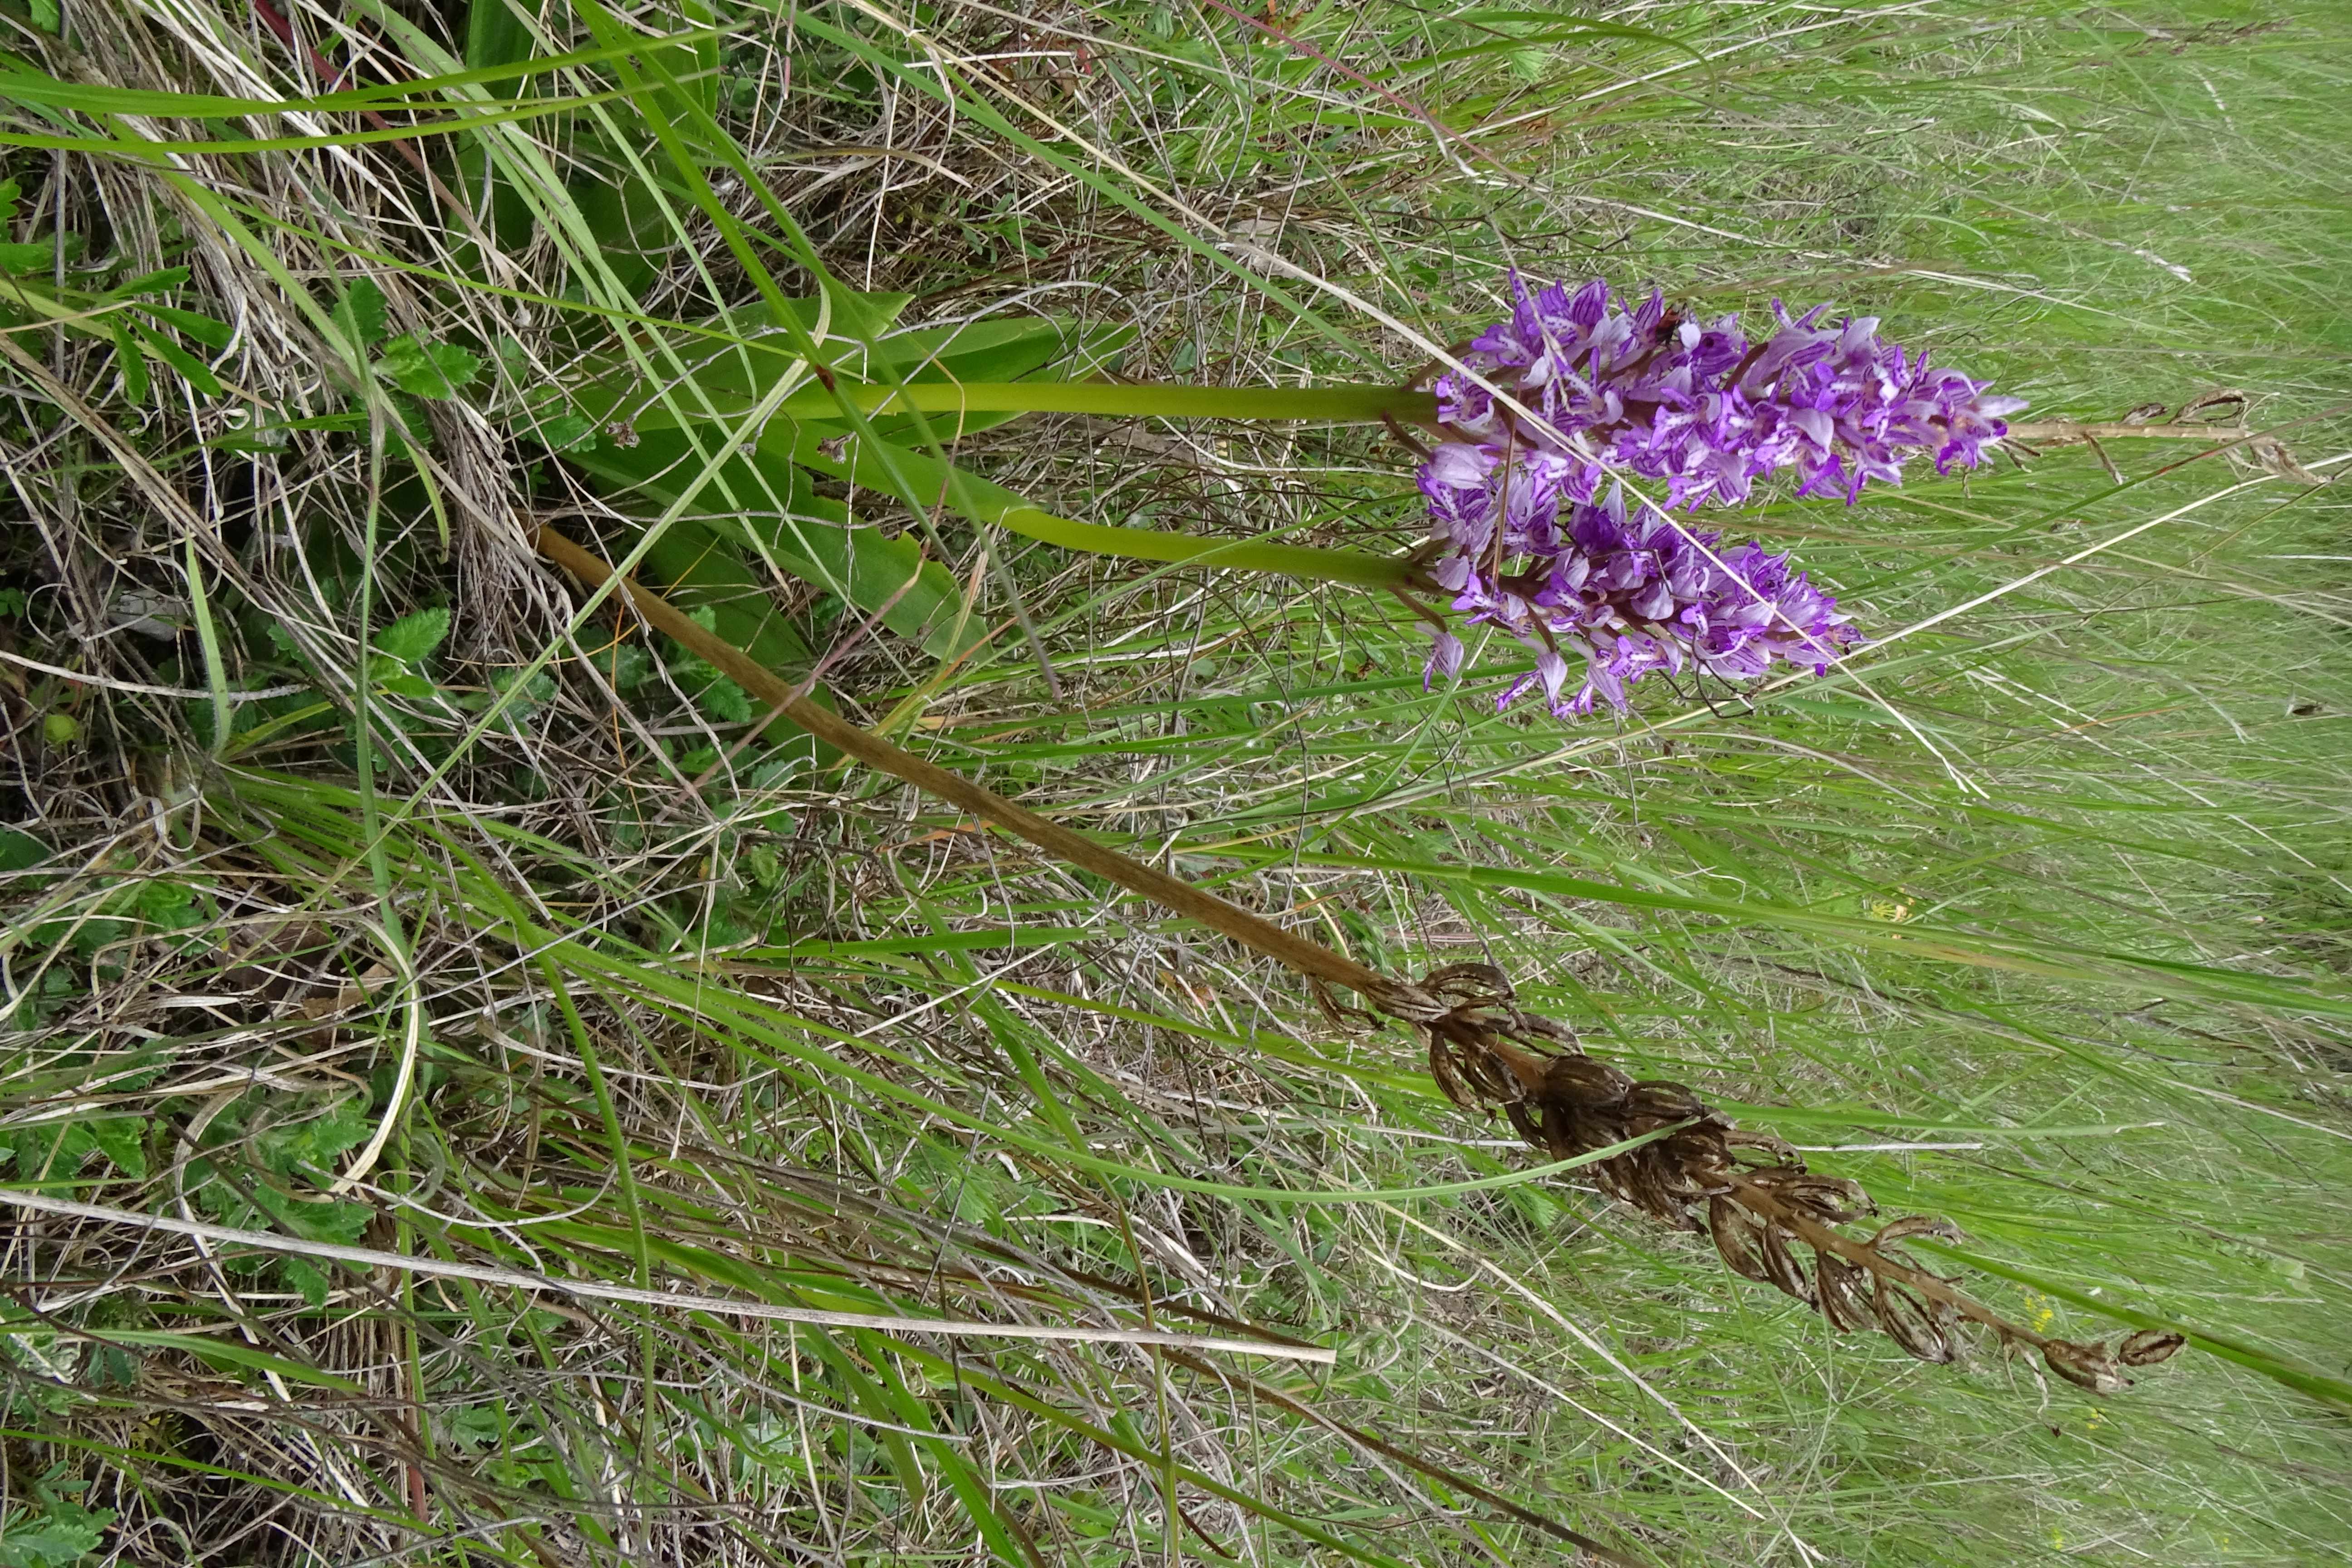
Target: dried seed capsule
[1908, 1323]
[2149, 1346]
[1780, 1259]
[2085, 1366]
[1585, 1080]
[1844, 1293]
[1737, 1239]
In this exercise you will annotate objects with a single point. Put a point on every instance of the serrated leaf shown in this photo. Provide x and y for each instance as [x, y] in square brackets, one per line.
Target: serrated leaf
[410, 638]
[50, 1151]
[307, 1279]
[362, 314]
[112, 1367]
[169, 905]
[310, 1149]
[122, 1140]
[626, 667]
[567, 433]
[533, 692]
[48, 1543]
[343, 1224]
[34, 256]
[424, 368]
[725, 700]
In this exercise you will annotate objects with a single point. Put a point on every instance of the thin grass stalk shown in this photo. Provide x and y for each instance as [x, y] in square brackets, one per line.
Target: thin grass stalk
[1114, 400]
[1334, 405]
[1750, 1193]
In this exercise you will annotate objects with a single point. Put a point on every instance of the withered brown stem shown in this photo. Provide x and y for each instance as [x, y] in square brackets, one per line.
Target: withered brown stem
[1310, 958]
[1748, 1192]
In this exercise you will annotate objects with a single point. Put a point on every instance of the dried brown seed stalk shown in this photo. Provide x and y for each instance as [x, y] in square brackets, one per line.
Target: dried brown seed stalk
[1748, 1190]
[1771, 1220]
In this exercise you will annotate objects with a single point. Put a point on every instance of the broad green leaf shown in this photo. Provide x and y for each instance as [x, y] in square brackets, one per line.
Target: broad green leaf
[994, 503]
[976, 354]
[743, 353]
[706, 572]
[414, 686]
[731, 378]
[157, 282]
[20, 84]
[495, 34]
[810, 539]
[197, 373]
[203, 328]
[19, 850]
[628, 216]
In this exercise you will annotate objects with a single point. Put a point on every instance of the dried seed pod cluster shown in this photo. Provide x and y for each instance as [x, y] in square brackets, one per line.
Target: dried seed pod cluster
[1771, 1220]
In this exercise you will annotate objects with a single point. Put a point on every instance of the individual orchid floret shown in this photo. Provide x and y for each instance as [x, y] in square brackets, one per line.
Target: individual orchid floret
[1699, 406]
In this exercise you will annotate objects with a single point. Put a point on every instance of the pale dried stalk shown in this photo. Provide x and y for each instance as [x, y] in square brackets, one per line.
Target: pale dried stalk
[673, 1300]
[2061, 432]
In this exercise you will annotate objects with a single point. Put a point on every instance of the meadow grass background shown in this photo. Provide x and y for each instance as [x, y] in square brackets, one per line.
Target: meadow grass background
[2035, 915]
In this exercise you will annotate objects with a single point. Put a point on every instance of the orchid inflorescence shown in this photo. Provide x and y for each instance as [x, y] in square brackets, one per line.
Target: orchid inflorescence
[1534, 534]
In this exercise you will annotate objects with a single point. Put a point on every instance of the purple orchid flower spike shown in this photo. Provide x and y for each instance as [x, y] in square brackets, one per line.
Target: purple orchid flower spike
[1701, 407]
[1528, 544]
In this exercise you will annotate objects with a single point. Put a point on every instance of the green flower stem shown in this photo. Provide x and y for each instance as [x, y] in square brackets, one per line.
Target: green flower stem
[994, 503]
[1344, 405]
[1239, 556]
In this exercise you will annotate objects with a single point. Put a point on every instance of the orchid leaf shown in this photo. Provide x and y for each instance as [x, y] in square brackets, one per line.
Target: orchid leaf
[779, 517]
